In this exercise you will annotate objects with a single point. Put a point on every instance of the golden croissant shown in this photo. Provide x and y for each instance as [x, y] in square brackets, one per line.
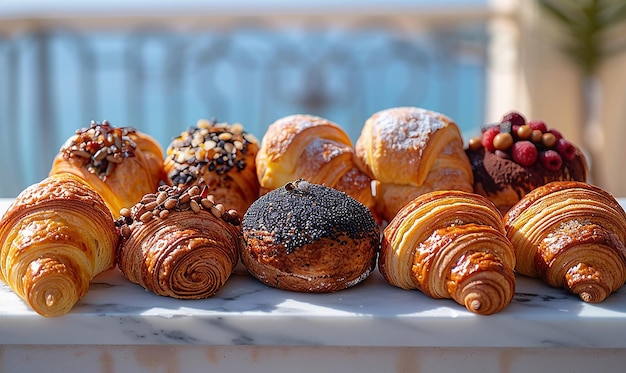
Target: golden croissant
[220, 156]
[315, 149]
[120, 163]
[179, 243]
[56, 237]
[410, 151]
[571, 235]
[451, 244]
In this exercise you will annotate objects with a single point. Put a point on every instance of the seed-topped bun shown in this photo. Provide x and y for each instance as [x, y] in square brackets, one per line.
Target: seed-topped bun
[309, 238]
[218, 155]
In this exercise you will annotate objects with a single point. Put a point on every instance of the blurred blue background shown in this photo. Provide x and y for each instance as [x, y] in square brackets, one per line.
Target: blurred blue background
[159, 77]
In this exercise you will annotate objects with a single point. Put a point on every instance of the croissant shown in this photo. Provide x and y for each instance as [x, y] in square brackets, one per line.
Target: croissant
[571, 235]
[411, 151]
[315, 149]
[179, 243]
[120, 163]
[219, 155]
[451, 244]
[56, 236]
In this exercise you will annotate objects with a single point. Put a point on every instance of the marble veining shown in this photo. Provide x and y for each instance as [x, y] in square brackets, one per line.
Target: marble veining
[373, 313]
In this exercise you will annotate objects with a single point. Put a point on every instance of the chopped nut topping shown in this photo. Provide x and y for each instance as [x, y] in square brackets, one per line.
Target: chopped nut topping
[100, 147]
[217, 147]
[169, 199]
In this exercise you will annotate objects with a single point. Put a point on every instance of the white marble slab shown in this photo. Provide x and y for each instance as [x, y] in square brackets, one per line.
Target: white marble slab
[373, 313]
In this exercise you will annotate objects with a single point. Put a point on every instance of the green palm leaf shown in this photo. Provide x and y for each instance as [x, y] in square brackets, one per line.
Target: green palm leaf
[587, 24]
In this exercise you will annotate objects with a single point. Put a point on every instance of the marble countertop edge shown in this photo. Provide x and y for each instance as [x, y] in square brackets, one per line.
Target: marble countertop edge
[370, 314]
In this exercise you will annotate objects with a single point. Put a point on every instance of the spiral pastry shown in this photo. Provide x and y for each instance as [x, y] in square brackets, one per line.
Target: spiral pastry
[451, 244]
[571, 235]
[179, 243]
[56, 236]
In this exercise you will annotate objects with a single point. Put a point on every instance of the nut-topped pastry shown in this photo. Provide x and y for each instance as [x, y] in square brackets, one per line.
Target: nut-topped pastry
[219, 155]
[309, 238]
[120, 163]
[515, 156]
[179, 242]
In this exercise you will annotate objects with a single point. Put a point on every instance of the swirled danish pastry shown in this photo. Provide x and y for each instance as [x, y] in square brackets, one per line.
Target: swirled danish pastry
[179, 242]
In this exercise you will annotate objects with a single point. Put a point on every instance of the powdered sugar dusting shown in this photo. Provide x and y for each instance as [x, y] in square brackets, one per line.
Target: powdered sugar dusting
[320, 152]
[407, 127]
[306, 121]
[301, 122]
[356, 179]
[324, 150]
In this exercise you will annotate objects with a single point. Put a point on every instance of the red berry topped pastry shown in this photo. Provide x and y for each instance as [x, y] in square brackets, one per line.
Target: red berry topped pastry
[515, 156]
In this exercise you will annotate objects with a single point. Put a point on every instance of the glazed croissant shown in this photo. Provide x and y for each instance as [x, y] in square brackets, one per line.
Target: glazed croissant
[219, 155]
[179, 243]
[120, 163]
[571, 235]
[55, 237]
[451, 244]
[411, 151]
[315, 149]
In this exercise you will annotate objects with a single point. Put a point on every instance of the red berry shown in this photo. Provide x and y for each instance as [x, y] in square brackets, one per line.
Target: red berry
[487, 138]
[538, 125]
[514, 130]
[551, 160]
[524, 153]
[565, 149]
[515, 118]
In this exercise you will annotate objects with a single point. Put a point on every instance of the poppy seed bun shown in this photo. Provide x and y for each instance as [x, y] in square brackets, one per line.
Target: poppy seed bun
[309, 238]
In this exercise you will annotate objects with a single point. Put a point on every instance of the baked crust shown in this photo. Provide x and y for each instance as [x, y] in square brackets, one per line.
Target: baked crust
[309, 238]
[138, 169]
[315, 149]
[451, 244]
[570, 234]
[56, 236]
[221, 156]
[187, 251]
[411, 151]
